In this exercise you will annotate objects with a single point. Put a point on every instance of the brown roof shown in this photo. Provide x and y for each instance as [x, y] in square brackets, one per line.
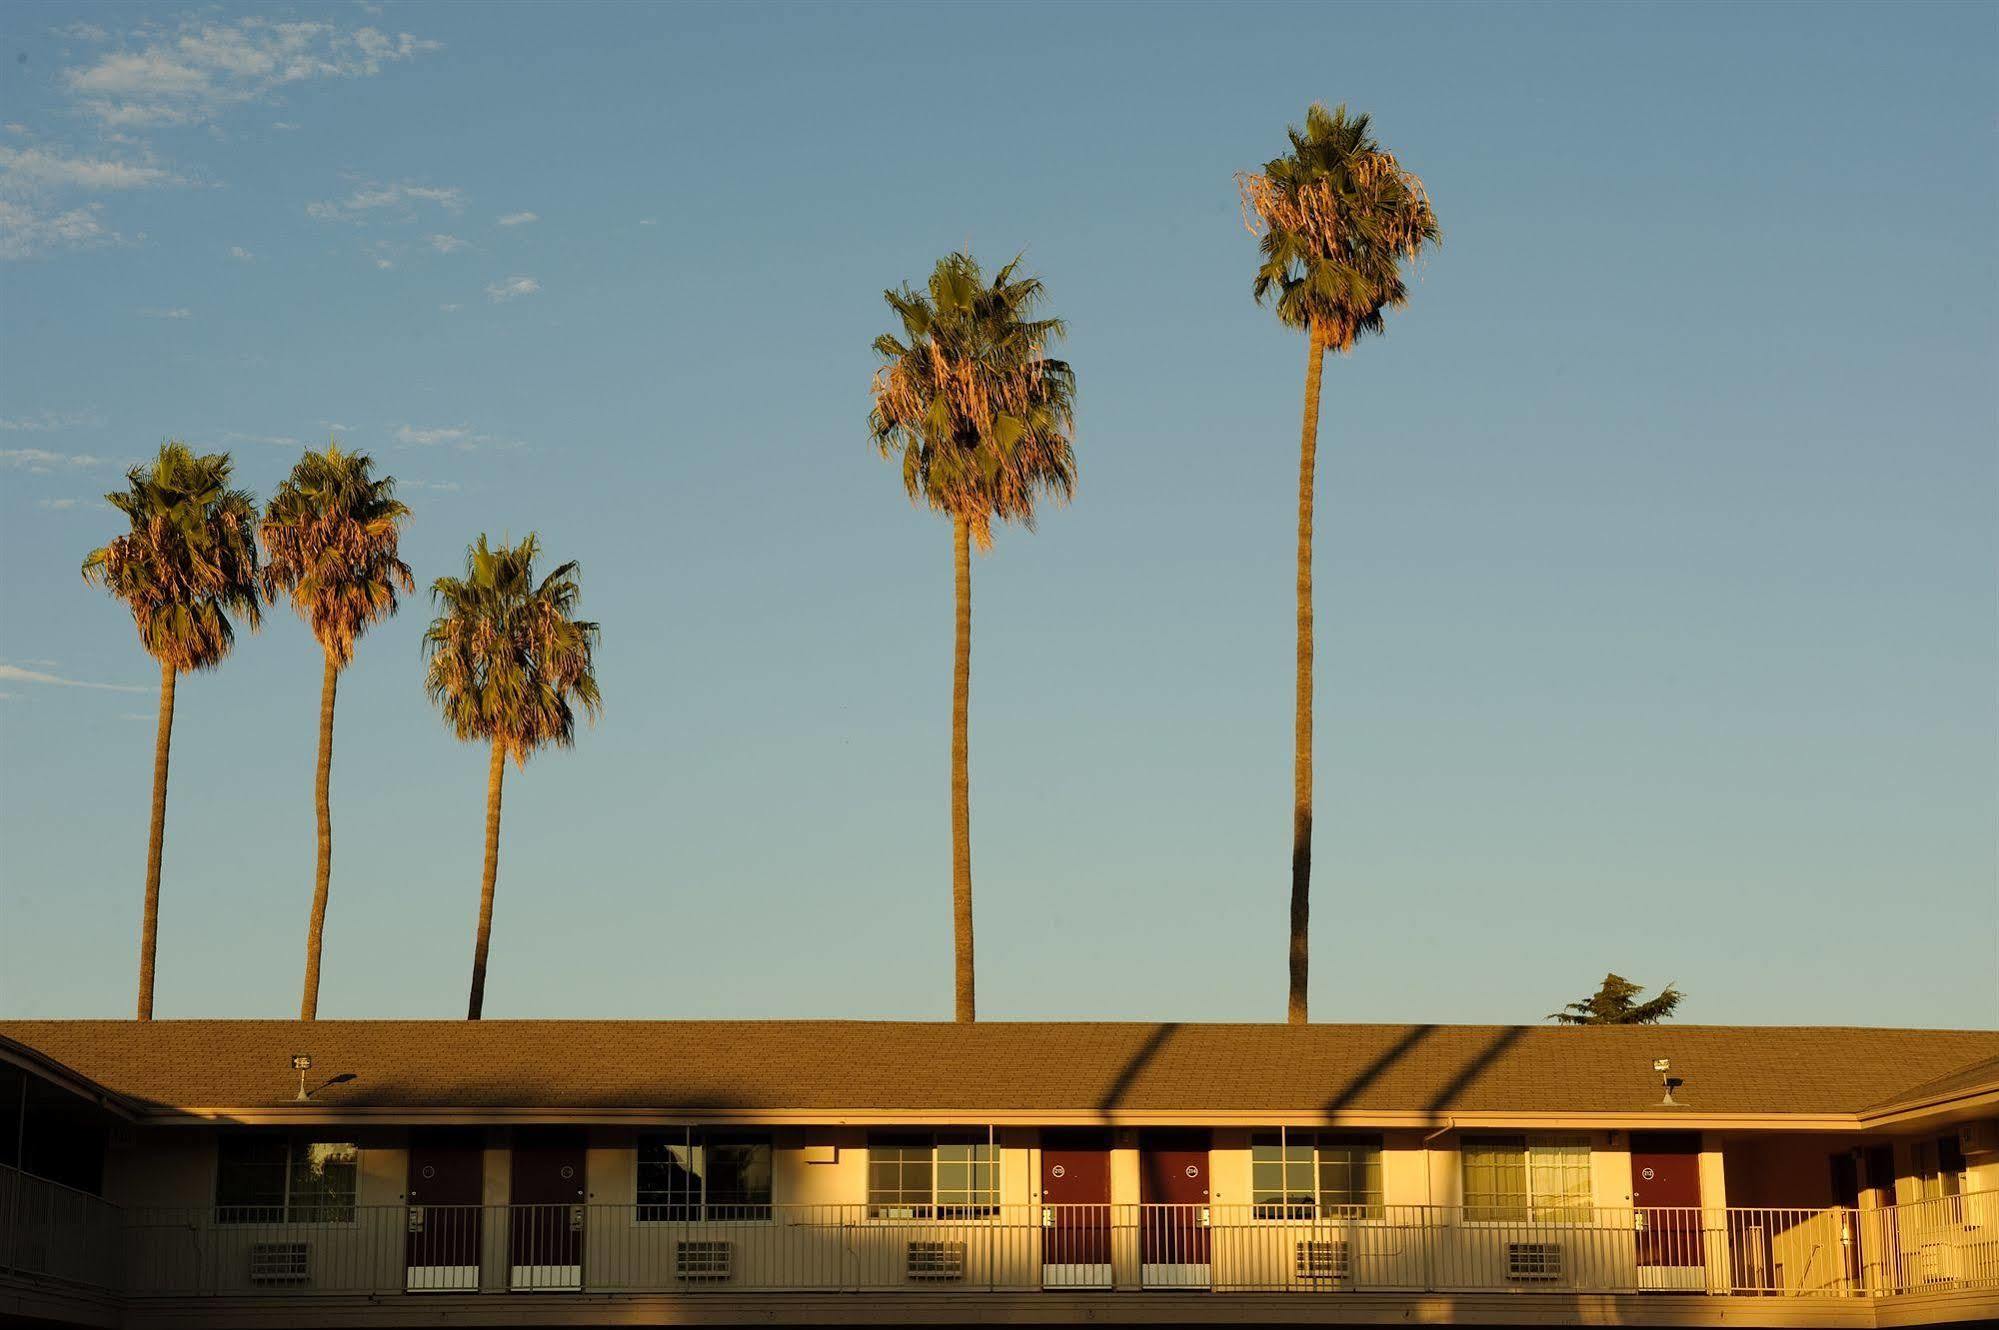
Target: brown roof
[1003, 1067]
[1979, 1076]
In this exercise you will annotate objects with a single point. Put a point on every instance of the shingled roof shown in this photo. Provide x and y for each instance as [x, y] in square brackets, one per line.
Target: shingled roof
[1127, 1069]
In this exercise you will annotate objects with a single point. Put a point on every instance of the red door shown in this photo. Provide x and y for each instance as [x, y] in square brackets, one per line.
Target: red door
[1173, 1213]
[1666, 1192]
[445, 1187]
[545, 1217]
[1076, 1209]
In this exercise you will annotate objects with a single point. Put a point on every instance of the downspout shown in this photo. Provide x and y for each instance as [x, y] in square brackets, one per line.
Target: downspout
[1429, 1183]
[1430, 1206]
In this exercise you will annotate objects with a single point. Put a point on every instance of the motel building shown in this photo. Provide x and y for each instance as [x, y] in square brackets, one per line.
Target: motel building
[450, 1173]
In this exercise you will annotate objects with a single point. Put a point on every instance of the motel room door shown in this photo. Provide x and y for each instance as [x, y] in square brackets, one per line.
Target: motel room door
[1173, 1209]
[1666, 1195]
[444, 1192]
[545, 1217]
[1075, 1209]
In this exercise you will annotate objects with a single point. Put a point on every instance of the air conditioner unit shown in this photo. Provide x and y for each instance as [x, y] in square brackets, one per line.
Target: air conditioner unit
[936, 1262]
[702, 1262]
[1978, 1138]
[280, 1262]
[1533, 1262]
[1322, 1262]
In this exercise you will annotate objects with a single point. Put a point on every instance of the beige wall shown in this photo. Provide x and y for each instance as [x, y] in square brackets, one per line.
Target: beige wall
[176, 1167]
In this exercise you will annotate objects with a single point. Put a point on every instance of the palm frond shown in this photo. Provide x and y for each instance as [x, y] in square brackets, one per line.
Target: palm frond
[1336, 219]
[188, 565]
[507, 659]
[980, 416]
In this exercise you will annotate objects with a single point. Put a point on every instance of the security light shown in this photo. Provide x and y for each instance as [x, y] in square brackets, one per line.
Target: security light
[1662, 1064]
[301, 1062]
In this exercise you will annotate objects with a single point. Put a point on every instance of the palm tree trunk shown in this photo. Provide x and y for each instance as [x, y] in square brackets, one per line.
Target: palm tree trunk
[1301, 775]
[494, 776]
[323, 873]
[961, 783]
[149, 924]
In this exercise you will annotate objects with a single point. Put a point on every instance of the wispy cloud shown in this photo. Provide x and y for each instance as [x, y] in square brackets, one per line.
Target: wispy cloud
[451, 309]
[26, 169]
[444, 244]
[462, 437]
[195, 71]
[519, 218]
[511, 289]
[15, 674]
[39, 209]
[433, 486]
[42, 461]
[433, 435]
[47, 421]
[396, 200]
[82, 32]
[240, 254]
[170, 312]
[66, 505]
[27, 230]
[648, 221]
[267, 440]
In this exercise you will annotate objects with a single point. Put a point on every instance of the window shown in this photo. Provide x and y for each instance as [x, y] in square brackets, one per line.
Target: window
[1543, 1179]
[273, 1179]
[690, 1175]
[1939, 1168]
[920, 1176]
[1307, 1174]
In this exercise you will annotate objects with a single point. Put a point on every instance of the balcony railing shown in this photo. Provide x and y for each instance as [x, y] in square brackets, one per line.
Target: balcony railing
[375, 1250]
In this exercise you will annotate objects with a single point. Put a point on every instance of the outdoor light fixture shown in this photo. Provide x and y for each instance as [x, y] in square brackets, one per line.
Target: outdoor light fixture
[1664, 1066]
[302, 1063]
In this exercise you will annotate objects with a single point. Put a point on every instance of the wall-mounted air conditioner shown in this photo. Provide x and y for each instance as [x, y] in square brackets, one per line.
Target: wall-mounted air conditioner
[702, 1262]
[936, 1262]
[1321, 1262]
[280, 1262]
[1533, 1262]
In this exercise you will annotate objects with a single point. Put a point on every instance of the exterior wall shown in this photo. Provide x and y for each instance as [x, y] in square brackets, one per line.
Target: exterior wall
[163, 1166]
[1985, 1165]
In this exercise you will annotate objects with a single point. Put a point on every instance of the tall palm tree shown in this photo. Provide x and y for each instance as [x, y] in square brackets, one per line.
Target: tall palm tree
[330, 536]
[1337, 217]
[982, 420]
[508, 657]
[188, 563]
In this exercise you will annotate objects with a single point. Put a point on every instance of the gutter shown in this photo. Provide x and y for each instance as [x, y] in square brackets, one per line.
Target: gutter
[55, 1073]
[316, 1113]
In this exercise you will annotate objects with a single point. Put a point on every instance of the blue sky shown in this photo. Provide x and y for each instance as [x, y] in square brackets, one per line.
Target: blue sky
[1656, 583]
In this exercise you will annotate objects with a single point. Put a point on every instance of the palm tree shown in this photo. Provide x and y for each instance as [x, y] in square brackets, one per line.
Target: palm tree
[982, 420]
[330, 536]
[507, 659]
[186, 566]
[1337, 217]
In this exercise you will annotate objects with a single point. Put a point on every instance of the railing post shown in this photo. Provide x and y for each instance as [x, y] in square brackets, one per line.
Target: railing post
[1429, 1250]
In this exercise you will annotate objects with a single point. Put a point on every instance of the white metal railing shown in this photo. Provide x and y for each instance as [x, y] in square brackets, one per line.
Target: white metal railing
[55, 1232]
[49, 1231]
[1952, 1244]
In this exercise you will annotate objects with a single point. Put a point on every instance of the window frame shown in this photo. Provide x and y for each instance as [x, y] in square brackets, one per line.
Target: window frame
[701, 1210]
[290, 1209]
[1528, 1206]
[936, 1210]
[1291, 1141]
[1930, 1166]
